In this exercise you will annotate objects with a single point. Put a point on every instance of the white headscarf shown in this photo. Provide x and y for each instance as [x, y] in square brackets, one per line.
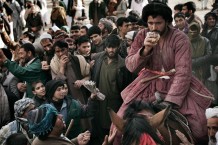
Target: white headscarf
[211, 112]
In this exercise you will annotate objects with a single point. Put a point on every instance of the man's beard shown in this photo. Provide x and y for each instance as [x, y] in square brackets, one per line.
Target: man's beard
[25, 60]
[112, 56]
[187, 15]
[160, 32]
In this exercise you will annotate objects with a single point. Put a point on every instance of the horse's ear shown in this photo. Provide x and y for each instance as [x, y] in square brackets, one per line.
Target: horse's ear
[160, 117]
[116, 120]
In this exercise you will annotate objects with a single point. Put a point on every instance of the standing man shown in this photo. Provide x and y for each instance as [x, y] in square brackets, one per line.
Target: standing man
[111, 77]
[210, 31]
[31, 70]
[106, 27]
[201, 51]
[72, 69]
[189, 9]
[180, 22]
[95, 35]
[47, 43]
[162, 50]
[122, 27]
[97, 10]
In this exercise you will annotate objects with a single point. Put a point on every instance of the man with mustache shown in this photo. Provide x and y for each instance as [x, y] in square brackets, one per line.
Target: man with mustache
[212, 124]
[29, 69]
[111, 77]
[165, 71]
[212, 127]
[188, 9]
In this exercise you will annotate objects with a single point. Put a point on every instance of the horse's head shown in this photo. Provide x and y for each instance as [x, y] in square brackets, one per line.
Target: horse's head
[165, 121]
[137, 124]
[155, 121]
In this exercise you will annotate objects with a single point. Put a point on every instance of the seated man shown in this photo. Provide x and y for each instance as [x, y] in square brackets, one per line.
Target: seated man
[166, 53]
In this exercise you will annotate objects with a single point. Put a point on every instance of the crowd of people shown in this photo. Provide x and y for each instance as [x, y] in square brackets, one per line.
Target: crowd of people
[135, 50]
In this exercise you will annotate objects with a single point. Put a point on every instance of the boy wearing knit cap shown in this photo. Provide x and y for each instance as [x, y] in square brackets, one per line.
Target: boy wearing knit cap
[69, 107]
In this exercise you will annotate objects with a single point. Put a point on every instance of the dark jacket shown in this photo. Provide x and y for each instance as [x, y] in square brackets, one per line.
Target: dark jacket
[124, 77]
[213, 37]
[76, 111]
[100, 10]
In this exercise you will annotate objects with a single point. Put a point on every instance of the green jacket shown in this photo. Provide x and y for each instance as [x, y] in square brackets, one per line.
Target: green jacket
[29, 73]
[76, 111]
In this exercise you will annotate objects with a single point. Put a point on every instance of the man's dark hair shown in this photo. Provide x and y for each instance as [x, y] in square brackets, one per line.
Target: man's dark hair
[190, 6]
[141, 23]
[94, 30]
[82, 39]
[84, 27]
[210, 14]
[75, 27]
[29, 47]
[16, 139]
[33, 85]
[178, 7]
[61, 44]
[112, 41]
[132, 19]
[30, 35]
[179, 15]
[155, 9]
[122, 20]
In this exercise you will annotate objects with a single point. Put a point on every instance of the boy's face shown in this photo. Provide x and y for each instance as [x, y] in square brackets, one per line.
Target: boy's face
[211, 22]
[59, 93]
[75, 34]
[180, 22]
[84, 48]
[96, 39]
[124, 28]
[61, 51]
[193, 33]
[39, 90]
[83, 32]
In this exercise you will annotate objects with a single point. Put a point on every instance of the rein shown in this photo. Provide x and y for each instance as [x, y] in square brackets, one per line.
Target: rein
[170, 134]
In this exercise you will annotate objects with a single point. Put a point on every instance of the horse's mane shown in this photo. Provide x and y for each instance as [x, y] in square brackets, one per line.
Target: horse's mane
[137, 106]
[137, 124]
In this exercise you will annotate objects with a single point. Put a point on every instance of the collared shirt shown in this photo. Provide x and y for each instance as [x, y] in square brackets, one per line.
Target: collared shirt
[63, 110]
